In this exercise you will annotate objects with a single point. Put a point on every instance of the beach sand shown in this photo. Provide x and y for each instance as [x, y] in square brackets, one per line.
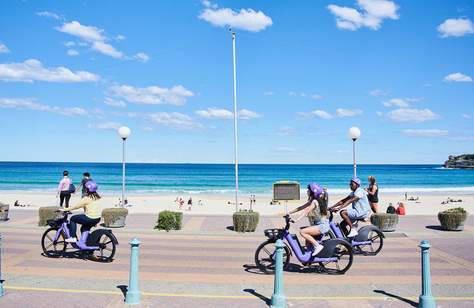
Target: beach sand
[217, 204]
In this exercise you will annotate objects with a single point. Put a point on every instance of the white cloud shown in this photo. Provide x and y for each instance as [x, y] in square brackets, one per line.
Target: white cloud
[174, 120]
[107, 50]
[269, 93]
[109, 125]
[412, 115]
[303, 94]
[28, 103]
[457, 77]
[4, 48]
[50, 15]
[209, 4]
[285, 150]
[286, 131]
[315, 96]
[69, 44]
[142, 57]
[466, 116]
[32, 70]
[72, 52]
[120, 37]
[344, 113]
[114, 103]
[401, 102]
[321, 114]
[245, 114]
[86, 33]
[371, 14]
[425, 132]
[215, 113]
[377, 93]
[456, 27]
[245, 19]
[153, 95]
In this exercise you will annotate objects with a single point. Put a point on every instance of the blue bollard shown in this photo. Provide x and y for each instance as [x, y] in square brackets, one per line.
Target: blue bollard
[278, 298]
[1, 281]
[133, 293]
[426, 299]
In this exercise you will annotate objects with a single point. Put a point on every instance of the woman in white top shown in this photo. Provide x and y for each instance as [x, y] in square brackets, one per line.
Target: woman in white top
[64, 189]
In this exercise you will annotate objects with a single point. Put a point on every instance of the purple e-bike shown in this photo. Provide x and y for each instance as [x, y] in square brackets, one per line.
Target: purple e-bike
[368, 241]
[335, 258]
[99, 245]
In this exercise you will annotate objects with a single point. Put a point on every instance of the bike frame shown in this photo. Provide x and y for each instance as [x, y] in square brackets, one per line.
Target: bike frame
[81, 244]
[337, 231]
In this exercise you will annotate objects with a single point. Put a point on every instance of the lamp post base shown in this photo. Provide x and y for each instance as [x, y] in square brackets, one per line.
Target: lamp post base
[426, 301]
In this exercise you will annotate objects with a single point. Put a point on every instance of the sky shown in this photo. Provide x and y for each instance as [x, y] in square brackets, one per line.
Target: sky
[72, 72]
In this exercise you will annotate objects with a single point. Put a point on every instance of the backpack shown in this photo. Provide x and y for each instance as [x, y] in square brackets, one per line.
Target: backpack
[72, 188]
[391, 209]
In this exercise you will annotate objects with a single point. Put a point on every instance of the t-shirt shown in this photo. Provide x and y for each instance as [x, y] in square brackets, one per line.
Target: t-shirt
[362, 205]
[91, 207]
[64, 184]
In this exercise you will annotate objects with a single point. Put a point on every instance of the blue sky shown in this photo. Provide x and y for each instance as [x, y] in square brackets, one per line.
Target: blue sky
[72, 72]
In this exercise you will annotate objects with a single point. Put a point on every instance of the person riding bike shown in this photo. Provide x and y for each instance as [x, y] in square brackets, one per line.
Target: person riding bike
[91, 216]
[316, 200]
[360, 207]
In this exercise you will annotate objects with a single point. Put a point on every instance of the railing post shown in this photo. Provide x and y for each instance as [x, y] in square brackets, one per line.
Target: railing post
[426, 299]
[278, 298]
[1, 281]
[133, 293]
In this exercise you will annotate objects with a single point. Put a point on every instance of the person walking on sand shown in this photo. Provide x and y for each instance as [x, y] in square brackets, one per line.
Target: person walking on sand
[190, 203]
[65, 188]
[86, 176]
[373, 194]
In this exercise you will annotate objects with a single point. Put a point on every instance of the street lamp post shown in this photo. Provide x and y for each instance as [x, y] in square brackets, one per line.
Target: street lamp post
[123, 132]
[236, 162]
[354, 134]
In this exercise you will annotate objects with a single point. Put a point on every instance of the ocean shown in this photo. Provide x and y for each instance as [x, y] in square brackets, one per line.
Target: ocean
[219, 178]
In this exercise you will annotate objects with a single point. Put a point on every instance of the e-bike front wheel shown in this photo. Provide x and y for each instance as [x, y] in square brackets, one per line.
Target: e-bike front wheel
[106, 250]
[376, 243]
[53, 248]
[265, 257]
[343, 253]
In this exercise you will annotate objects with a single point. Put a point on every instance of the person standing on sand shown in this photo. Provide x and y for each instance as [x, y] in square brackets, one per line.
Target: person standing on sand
[373, 194]
[64, 189]
[190, 203]
[86, 176]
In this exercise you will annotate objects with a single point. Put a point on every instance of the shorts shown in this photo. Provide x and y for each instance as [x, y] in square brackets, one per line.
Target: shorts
[355, 215]
[323, 225]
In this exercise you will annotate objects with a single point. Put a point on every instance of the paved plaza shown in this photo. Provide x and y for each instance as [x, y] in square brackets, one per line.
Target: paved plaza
[208, 265]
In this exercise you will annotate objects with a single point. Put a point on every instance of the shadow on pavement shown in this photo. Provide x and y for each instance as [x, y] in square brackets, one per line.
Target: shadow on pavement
[260, 296]
[124, 289]
[439, 228]
[292, 268]
[231, 228]
[405, 300]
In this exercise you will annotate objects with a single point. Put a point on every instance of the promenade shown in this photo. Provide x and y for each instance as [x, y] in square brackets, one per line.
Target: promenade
[207, 265]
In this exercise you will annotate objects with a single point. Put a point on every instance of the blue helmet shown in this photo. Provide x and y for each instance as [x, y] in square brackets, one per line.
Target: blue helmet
[315, 188]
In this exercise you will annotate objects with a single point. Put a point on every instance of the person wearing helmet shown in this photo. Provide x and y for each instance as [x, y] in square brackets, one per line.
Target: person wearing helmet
[316, 200]
[91, 216]
[360, 208]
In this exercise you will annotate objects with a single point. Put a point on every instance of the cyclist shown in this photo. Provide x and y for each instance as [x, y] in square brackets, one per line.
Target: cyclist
[91, 216]
[360, 207]
[320, 225]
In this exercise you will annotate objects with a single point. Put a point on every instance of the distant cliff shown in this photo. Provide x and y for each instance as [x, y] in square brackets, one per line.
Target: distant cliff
[465, 161]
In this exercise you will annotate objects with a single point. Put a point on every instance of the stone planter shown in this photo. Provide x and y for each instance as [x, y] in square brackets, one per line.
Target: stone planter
[453, 219]
[47, 212]
[4, 211]
[245, 221]
[114, 217]
[386, 222]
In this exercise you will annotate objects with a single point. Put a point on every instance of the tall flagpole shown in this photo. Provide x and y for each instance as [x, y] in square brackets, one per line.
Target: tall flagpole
[235, 128]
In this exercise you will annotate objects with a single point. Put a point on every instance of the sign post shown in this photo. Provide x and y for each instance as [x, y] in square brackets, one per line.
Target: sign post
[286, 191]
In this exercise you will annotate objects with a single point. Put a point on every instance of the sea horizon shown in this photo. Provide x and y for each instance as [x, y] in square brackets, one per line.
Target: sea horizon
[218, 178]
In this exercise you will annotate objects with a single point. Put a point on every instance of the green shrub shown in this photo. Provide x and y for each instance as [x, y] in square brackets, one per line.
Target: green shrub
[45, 213]
[385, 221]
[453, 219]
[114, 217]
[168, 220]
[245, 221]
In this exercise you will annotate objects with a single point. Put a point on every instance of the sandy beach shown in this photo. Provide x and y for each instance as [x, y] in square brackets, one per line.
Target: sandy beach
[217, 204]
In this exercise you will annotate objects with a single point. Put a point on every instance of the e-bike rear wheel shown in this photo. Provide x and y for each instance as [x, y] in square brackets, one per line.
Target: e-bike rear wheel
[106, 250]
[52, 248]
[265, 257]
[344, 255]
[376, 239]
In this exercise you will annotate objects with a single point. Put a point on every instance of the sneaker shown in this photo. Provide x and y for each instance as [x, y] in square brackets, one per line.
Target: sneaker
[71, 240]
[317, 250]
[353, 233]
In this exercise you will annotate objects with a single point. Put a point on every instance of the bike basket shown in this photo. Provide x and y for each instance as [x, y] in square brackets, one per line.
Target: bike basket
[273, 234]
[57, 222]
